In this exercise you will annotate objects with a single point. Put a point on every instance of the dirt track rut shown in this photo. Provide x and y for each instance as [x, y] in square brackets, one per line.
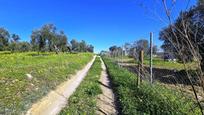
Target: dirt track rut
[106, 101]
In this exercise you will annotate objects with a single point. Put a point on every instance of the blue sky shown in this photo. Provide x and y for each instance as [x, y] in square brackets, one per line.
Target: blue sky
[102, 23]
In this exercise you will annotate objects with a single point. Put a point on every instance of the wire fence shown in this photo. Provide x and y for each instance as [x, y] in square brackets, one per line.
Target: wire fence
[164, 68]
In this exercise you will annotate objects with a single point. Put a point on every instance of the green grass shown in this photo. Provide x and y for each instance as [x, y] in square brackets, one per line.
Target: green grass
[160, 63]
[147, 99]
[17, 93]
[83, 101]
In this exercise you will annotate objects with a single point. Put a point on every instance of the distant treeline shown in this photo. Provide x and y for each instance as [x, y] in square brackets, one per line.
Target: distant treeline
[45, 39]
[131, 49]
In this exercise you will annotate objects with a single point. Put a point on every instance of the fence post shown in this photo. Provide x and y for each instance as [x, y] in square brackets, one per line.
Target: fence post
[141, 60]
[151, 53]
[138, 78]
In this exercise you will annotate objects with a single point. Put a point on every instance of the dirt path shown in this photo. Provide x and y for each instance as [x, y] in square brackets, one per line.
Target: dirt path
[106, 101]
[57, 99]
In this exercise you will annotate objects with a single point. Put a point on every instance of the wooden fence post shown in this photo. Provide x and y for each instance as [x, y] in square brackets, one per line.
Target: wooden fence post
[138, 78]
[140, 66]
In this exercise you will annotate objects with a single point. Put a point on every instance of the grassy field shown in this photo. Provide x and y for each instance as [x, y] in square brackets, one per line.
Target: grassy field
[160, 63]
[147, 99]
[83, 101]
[17, 92]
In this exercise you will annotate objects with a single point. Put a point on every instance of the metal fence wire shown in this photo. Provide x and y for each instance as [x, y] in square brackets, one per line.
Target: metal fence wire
[168, 68]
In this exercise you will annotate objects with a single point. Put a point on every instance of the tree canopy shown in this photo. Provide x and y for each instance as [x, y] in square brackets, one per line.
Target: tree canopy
[4, 39]
[45, 39]
[185, 38]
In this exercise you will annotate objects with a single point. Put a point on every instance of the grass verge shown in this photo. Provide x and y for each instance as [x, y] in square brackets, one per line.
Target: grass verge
[147, 99]
[18, 93]
[83, 101]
